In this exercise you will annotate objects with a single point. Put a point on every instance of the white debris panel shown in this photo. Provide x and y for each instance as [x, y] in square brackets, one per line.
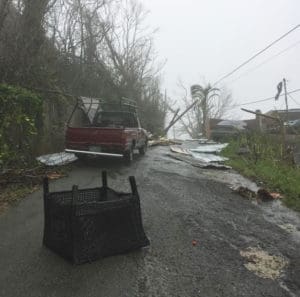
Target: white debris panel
[203, 154]
[180, 150]
[57, 159]
[210, 148]
[207, 158]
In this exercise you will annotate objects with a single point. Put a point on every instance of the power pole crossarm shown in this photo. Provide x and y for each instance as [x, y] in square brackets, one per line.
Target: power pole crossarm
[260, 114]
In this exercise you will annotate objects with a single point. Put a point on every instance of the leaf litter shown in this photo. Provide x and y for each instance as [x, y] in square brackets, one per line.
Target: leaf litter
[263, 264]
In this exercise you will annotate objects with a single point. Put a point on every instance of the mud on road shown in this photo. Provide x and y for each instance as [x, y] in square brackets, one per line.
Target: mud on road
[197, 227]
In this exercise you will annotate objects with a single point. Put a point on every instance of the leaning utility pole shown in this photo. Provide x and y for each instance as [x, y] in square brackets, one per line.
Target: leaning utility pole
[177, 117]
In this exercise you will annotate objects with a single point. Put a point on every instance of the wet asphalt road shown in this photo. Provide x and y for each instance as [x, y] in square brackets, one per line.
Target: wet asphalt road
[179, 204]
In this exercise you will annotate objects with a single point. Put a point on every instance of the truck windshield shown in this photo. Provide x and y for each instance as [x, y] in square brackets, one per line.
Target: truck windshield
[115, 119]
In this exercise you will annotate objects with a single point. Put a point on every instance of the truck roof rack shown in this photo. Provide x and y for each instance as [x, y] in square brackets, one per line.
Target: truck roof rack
[91, 106]
[123, 104]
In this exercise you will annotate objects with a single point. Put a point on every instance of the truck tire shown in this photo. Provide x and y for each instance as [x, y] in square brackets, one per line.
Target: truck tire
[143, 149]
[128, 156]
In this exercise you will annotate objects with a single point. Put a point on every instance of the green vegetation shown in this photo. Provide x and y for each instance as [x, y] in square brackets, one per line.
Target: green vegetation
[264, 161]
[20, 116]
[103, 50]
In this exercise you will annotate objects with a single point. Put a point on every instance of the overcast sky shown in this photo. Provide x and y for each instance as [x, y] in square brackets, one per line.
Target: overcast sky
[204, 40]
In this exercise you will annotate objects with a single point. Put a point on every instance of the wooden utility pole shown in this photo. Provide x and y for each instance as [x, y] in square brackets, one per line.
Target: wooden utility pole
[205, 118]
[279, 120]
[286, 101]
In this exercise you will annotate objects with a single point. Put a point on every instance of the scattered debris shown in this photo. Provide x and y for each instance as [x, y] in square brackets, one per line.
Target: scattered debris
[57, 159]
[259, 194]
[210, 148]
[179, 150]
[244, 191]
[15, 184]
[22, 176]
[265, 195]
[164, 142]
[263, 264]
[31, 176]
[55, 175]
[206, 141]
[276, 195]
[207, 158]
[192, 139]
[211, 165]
[200, 160]
[201, 140]
[14, 192]
[204, 165]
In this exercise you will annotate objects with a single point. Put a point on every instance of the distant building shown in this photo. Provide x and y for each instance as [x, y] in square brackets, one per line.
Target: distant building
[251, 124]
[260, 123]
[293, 114]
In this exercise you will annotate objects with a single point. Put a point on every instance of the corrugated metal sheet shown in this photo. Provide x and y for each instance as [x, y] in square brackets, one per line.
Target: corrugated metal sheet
[57, 159]
[210, 148]
[207, 158]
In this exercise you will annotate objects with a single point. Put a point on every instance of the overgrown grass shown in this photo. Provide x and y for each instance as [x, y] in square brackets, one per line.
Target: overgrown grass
[266, 165]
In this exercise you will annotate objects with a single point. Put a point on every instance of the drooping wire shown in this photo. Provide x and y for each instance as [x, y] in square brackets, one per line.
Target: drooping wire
[257, 54]
[266, 99]
[264, 62]
[293, 99]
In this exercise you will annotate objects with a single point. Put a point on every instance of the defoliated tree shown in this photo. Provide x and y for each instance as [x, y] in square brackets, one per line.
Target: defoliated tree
[212, 103]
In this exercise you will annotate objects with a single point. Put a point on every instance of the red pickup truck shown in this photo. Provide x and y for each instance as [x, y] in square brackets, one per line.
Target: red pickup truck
[115, 132]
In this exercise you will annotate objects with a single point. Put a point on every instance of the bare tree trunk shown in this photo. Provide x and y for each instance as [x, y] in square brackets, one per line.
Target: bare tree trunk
[4, 10]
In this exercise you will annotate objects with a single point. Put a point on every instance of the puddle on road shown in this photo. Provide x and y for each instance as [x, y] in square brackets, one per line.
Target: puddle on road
[274, 211]
[286, 219]
[233, 179]
[263, 264]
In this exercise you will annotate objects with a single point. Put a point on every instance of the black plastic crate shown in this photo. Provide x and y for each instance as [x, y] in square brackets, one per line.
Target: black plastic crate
[83, 225]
